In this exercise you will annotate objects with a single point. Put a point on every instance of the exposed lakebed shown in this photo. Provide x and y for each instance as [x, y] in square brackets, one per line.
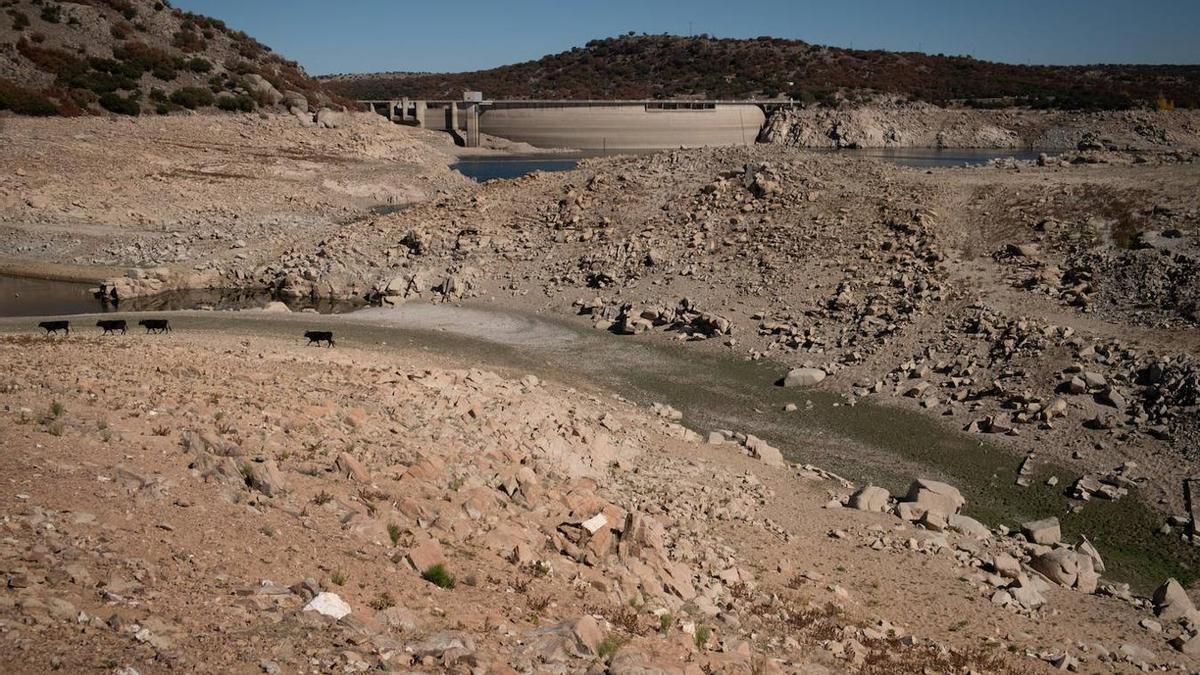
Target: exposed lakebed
[866, 442]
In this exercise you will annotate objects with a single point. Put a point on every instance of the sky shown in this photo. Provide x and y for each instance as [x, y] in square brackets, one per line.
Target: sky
[343, 36]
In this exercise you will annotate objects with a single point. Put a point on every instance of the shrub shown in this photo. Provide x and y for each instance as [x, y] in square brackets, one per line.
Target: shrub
[198, 65]
[114, 102]
[192, 97]
[120, 30]
[242, 103]
[439, 576]
[25, 101]
[52, 13]
[188, 41]
[608, 647]
[702, 635]
[62, 63]
[20, 19]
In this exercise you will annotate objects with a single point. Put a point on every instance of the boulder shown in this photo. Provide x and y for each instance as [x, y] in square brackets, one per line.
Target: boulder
[426, 554]
[932, 494]
[1187, 645]
[1171, 602]
[1046, 531]
[763, 451]
[262, 89]
[1006, 566]
[803, 377]
[968, 526]
[1060, 566]
[328, 604]
[265, 477]
[349, 466]
[870, 498]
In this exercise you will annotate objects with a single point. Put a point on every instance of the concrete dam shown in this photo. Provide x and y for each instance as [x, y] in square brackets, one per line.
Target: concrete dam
[589, 125]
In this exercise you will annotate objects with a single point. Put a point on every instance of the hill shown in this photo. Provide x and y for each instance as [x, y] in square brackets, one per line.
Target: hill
[136, 56]
[664, 66]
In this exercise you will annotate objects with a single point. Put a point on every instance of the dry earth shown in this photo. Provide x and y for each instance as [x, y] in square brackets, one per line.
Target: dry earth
[197, 193]
[177, 502]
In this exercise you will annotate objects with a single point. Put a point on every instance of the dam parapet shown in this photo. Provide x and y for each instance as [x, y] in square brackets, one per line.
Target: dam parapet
[590, 124]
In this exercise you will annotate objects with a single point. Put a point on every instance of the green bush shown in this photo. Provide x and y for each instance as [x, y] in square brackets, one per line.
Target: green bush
[20, 20]
[241, 103]
[99, 82]
[439, 576]
[114, 102]
[192, 97]
[52, 13]
[25, 101]
[198, 65]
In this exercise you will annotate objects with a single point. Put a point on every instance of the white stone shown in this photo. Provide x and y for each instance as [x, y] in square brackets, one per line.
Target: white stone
[328, 604]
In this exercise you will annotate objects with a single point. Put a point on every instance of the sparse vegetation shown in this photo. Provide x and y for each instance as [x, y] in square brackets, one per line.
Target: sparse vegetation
[338, 578]
[394, 533]
[609, 646]
[703, 633]
[382, 601]
[192, 97]
[668, 66]
[439, 576]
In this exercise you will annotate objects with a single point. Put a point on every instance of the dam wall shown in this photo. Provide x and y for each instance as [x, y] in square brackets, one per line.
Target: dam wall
[589, 125]
[624, 127]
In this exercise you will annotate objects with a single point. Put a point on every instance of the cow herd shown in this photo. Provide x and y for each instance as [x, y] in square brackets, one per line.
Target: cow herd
[108, 326]
[112, 326]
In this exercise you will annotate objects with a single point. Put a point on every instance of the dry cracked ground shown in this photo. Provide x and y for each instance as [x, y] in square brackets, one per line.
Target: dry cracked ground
[231, 501]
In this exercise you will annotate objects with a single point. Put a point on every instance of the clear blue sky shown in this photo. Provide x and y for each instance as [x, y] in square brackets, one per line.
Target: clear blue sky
[328, 36]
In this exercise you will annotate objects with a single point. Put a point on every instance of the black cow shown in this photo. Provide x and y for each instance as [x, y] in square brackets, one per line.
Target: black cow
[319, 336]
[156, 325]
[112, 325]
[55, 326]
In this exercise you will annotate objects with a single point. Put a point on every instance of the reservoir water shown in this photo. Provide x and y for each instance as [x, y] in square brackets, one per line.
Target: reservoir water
[491, 167]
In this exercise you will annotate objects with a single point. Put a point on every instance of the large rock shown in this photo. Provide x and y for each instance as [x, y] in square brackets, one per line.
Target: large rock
[1060, 566]
[803, 377]
[935, 495]
[968, 526]
[266, 477]
[328, 604]
[1171, 602]
[764, 451]
[262, 89]
[1046, 531]
[870, 498]
[350, 467]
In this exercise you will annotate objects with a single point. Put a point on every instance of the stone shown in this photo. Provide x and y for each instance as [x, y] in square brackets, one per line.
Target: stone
[870, 498]
[1060, 566]
[803, 377]
[763, 451]
[1085, 547]
[1187, 645]
[933, 494]
[1006, 566]
[328, 604]
[349, 466]
[266, 477]
[426, 554]
[1171, 601]
[595, 523]
[1046, 531]
[968, 526]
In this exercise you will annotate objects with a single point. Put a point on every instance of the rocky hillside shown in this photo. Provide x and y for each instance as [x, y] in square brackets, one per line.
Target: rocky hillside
[137, 56]
[652, 66]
